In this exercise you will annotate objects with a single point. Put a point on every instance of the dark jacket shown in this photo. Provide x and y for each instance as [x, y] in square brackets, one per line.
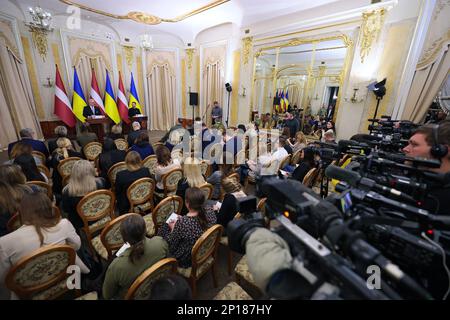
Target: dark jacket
[115, 136]
[108, 159]
[36, 145]
[123, 180]
[87, 112]
[293, 126]
[56, 177]
[85, 138]
[133, 112]
[144, 149]
[301, 171]
[132, 136]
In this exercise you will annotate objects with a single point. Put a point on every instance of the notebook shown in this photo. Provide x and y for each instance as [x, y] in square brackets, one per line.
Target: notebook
[173, 217]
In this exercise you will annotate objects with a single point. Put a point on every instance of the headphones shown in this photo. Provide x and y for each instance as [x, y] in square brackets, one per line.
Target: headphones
[437, 150]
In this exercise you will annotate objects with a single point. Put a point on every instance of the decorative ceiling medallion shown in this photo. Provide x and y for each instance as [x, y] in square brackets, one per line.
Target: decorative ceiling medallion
[145, 18]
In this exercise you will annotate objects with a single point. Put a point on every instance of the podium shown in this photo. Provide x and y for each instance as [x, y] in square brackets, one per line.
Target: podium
[143, 121]
[99, 126]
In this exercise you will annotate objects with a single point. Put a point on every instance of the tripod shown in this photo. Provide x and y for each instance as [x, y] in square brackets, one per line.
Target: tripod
[228, 110]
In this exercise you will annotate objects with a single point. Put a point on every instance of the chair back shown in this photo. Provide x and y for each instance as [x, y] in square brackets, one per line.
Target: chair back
[140, 194]
[283, 163]
[96, 209]
[205, 247]
[40, 156]
[150, 162]
[206, 168]
[111, 237]
[42, 275]
[121, 144]
[42, 186]
[310, 177]
[65, 166]
[207, 189]
[170, 180]
[157, 145]
[177, 154]
[43, 169]
[164, 209]
[296, 157]
[92, 150]
[14, 223]
[112, 172]
[141, 287]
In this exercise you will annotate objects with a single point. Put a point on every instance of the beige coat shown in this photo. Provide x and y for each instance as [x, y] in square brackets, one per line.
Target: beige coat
[25, 240]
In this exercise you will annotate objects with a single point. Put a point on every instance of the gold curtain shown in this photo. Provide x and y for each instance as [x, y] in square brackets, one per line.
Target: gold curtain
[425, 86]
[212, 90]
[162, 93]
[84, 67]
[17, 107]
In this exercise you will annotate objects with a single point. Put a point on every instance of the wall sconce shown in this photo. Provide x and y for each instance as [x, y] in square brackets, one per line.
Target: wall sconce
[48, 83]
[354, 98]
[243, 91]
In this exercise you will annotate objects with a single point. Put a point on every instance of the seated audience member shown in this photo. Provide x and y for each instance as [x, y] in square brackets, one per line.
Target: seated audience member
[280, 153]
[134, 134]
[182, 233]
[110, 156]
[215, 179]
[41, 227]
[328, 137]
[174, 139]
[116, 132]
[229, 207]
[192, 177]
[306, 163]
[171, 287]
[232, 144]
[197, 123]
[64, 151]
[286, 145]
[82, 181]
[143, 146]
[134, 171]
[10, 198]
[242, 128]
[174, 128]
[85, 137]
[141, 255]
[29, 168]
[163, 166]
[21, 148]
[299, 142]
[60, 132]
[26, 136]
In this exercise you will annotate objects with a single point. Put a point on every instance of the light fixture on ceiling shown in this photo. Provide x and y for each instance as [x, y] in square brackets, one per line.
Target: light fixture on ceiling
[146, 41]
[41, 19]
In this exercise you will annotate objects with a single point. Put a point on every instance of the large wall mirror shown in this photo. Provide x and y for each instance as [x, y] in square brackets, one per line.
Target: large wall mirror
[310, 70]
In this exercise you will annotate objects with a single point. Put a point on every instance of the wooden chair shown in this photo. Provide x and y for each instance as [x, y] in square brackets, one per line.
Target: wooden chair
[92, 150]
[65, 181]
[42, 275]
[207, 189]
[310, 177]
[283, 163]
[296, 157]
[112, 172]
[121, 144]
[42, 186]
[161, 212]
[170, 182]
[96, 209]
[65, 166]
[140, 195]
[204, 257]
[142, 286]
[39, 155]
[110, 239]
[157, 145]
[206, 168]
[150, 162]
[232, 291]
[177, 154]
[43, 169]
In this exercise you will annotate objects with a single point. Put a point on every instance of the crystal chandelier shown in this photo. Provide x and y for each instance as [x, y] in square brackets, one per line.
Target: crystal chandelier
[41, 19]
[146, 41]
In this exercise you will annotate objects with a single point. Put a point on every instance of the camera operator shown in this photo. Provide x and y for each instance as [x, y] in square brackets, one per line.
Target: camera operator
[432, 141]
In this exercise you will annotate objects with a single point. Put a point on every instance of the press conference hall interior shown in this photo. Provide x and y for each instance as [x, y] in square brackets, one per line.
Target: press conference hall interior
[224, 150]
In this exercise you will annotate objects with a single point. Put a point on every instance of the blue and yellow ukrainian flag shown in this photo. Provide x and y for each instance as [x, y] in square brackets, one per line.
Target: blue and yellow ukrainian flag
[78, 99]
[286, 100]
[110, 101]
[133, 95]
[282, 106]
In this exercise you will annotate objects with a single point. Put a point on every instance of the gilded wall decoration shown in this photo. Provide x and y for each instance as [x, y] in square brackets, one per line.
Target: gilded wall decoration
[129, 55]
[190, 57]
[430, 54]
[370, 30]
[246, 48]
[40, 41]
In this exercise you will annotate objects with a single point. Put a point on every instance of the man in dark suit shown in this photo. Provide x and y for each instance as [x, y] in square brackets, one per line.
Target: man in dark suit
[133, 111]
[91, 109]
[26, 136]
[132, 136]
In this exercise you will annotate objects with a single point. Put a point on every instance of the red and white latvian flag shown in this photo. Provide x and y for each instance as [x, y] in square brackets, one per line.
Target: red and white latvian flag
[95, 93]
[63, 107]
[122, 102]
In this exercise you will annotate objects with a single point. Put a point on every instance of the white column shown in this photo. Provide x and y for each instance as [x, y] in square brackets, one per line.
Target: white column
[415, 51]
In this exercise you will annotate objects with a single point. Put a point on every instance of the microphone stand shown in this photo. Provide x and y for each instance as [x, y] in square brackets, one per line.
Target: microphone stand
[228, 111]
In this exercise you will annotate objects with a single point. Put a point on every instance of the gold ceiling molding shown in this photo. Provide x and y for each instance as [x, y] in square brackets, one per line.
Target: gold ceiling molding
[145, 18]
[190, 57]
[370, 30]
[247, 43]
[39, 37]
[430, 54]
[129, 55]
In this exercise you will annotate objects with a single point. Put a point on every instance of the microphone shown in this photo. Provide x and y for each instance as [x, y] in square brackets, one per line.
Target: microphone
[354, 179]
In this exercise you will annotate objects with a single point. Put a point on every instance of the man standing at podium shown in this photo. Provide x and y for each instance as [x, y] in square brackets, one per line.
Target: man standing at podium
[133, 111]
[91, 109]
[216, 113]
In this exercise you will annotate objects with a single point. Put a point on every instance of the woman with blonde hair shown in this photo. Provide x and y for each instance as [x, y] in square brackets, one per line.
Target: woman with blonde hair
[163, 166]
[193, 177]
[299, 142]
[64, 151]
[134, 171]
[81, 182]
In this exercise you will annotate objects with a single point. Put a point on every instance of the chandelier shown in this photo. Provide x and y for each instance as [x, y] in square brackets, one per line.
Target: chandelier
[146, 42]
[41, 19]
